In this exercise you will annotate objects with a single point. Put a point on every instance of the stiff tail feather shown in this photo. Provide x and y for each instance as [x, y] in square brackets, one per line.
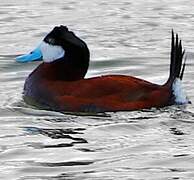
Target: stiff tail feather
[177, 68]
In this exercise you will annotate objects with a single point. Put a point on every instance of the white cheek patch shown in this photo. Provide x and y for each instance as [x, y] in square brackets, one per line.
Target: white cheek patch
[51, 53]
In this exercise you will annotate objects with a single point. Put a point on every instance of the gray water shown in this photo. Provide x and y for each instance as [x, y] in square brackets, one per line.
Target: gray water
[124, 37]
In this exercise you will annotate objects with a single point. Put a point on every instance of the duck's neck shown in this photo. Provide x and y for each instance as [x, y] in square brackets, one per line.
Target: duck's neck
[72, 67]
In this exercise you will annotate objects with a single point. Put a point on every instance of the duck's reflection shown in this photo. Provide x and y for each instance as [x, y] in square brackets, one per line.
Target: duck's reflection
[57, 134]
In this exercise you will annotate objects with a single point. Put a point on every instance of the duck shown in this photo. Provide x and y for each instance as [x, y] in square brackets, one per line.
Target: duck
[59, 82]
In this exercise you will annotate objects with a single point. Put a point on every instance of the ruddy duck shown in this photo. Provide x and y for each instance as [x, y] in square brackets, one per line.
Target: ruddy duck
[59, 84]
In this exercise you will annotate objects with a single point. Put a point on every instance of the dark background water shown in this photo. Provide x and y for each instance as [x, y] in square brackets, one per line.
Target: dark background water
[124, 37]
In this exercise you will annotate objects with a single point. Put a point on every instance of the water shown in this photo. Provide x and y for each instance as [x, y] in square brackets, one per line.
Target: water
[124, 37]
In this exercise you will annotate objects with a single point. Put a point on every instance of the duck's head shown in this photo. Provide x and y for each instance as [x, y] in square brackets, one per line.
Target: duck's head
[59, 43]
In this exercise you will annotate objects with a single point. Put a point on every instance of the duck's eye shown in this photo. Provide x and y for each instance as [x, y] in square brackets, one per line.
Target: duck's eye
[50, 41]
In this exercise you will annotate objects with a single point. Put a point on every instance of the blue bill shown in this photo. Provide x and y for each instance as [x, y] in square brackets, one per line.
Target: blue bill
[35, 55]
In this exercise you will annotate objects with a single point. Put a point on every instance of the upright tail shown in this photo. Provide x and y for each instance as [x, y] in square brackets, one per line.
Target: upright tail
[177, 68]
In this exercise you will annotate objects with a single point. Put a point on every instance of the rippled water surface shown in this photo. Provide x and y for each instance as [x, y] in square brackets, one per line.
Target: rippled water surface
[124, 37]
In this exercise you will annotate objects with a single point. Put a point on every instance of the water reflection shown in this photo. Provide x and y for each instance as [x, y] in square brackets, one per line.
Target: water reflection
[57, 134]
[71, 163]
[176, 131]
